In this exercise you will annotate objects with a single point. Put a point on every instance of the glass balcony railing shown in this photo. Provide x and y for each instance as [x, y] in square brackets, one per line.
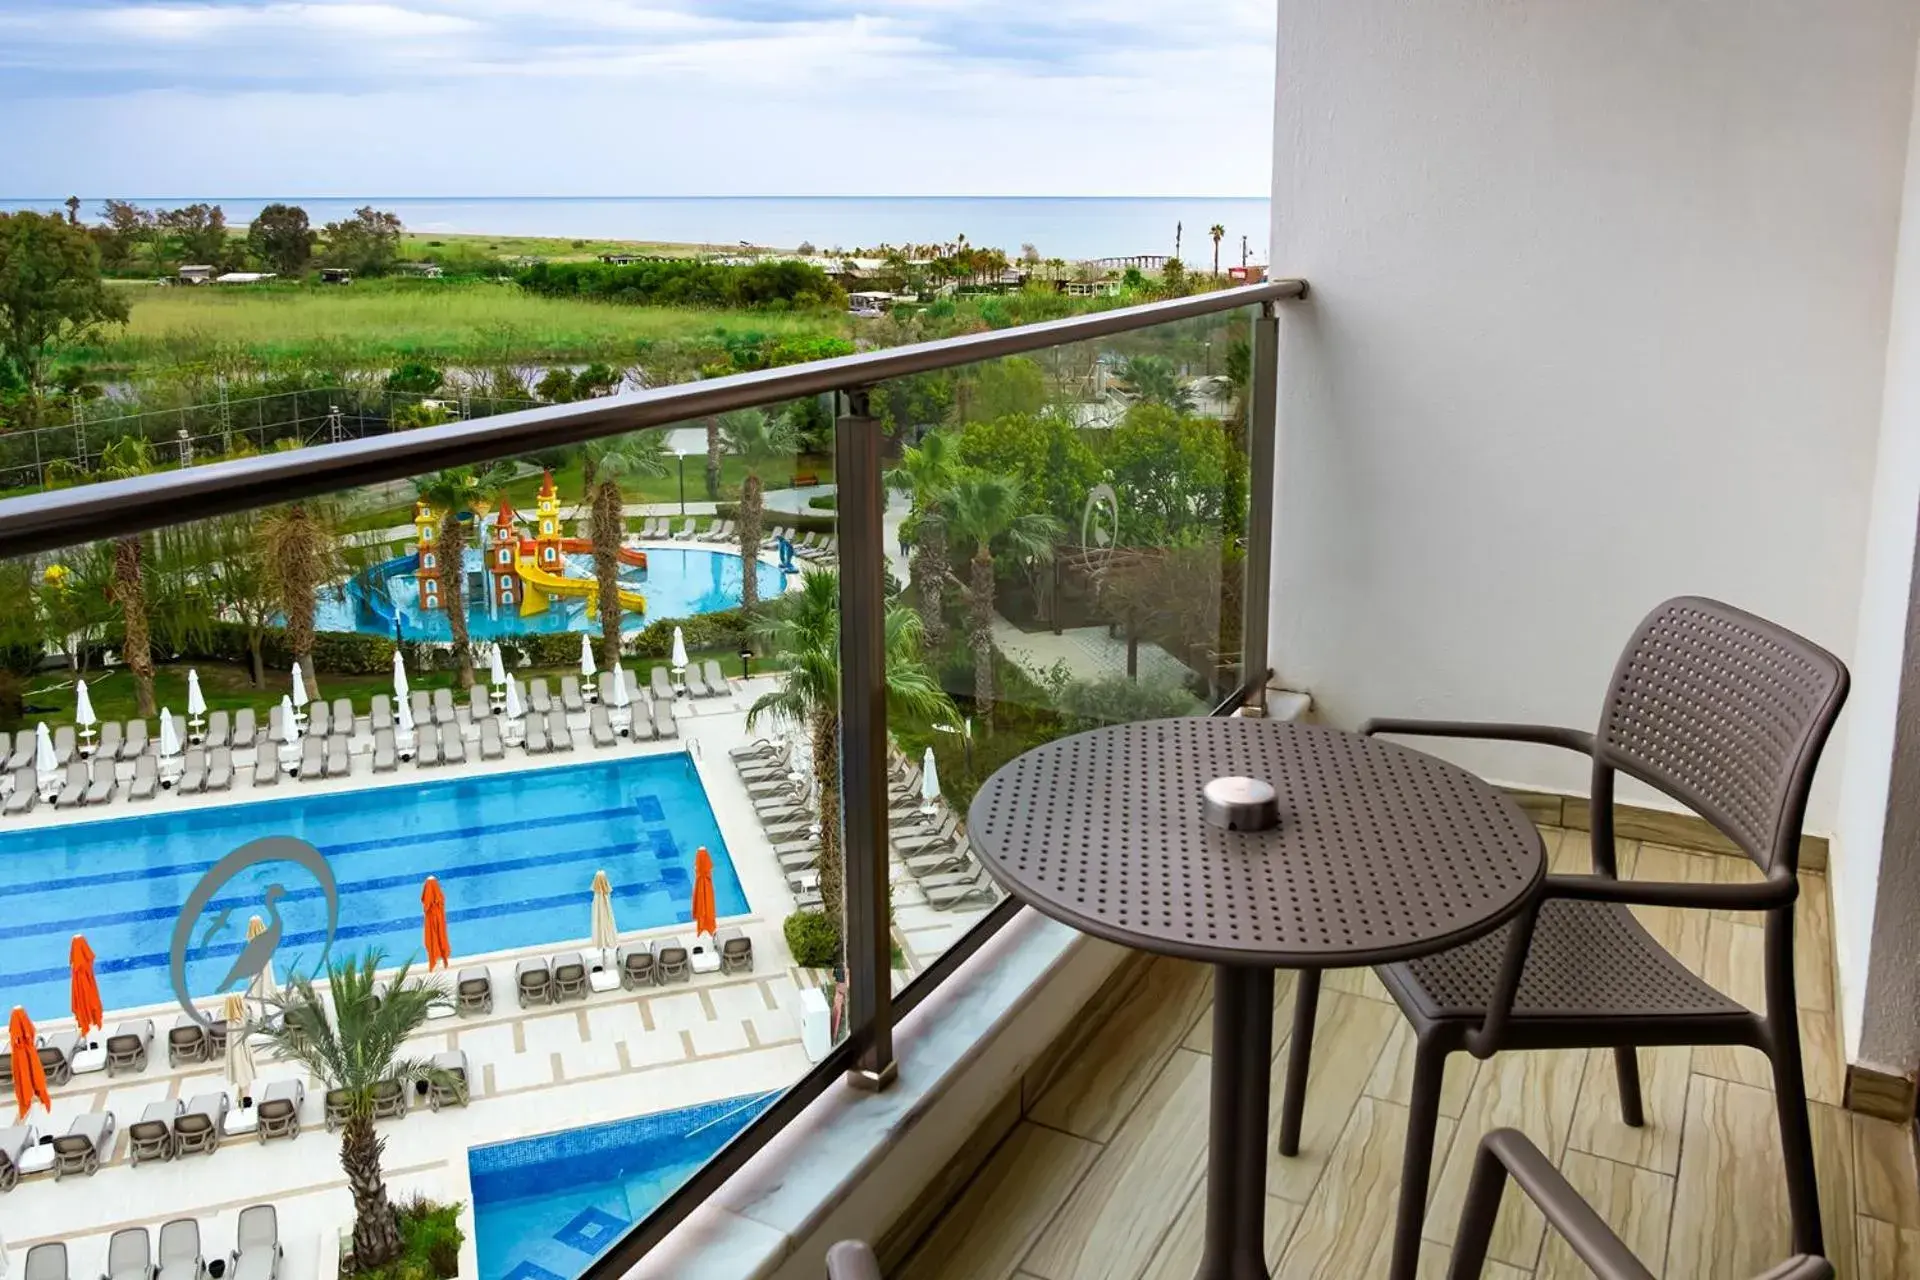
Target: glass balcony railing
[595, 776]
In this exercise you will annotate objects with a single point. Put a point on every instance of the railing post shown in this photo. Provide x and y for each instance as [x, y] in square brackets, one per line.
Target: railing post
[860, 504]
[1262, 450]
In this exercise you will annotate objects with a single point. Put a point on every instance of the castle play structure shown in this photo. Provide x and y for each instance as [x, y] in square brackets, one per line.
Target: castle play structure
[524, 571]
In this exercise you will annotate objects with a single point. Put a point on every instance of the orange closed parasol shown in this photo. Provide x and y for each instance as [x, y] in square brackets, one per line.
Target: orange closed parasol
[87, 1013]
[705, 917]
[434, 904]
[29, 1077]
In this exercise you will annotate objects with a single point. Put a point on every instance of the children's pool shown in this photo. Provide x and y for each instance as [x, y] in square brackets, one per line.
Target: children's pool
[545, 1207]
[515, 854]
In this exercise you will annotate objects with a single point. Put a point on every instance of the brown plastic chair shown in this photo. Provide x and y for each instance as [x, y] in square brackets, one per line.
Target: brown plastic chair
[1726, 713]
[1507, 1151]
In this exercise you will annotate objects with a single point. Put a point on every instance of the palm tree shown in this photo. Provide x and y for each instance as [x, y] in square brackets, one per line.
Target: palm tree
[926, 471]
[713, 458]
[354, 1048]
[1154, 380]
[804, 628]
[640, 454]
[757, 440]
[1217, 233]
[300, 550]
[985, 510]
[132, 456]
[452, 491]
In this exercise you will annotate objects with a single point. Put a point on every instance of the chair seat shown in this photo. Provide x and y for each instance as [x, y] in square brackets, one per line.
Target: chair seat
[1588, 960]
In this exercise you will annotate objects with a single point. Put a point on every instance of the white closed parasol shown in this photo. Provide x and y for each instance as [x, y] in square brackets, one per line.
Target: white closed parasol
[400, 689]
[240, 1068]
[679, 658]
[83, 715]
[196, 705]
[929, 784]
[45, 763]
[496, 665]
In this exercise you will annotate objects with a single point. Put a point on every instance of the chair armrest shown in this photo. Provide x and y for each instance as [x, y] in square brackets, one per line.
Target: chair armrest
[1542, 734]
[1758, 896]
[1504, 1152]
[852, 1260]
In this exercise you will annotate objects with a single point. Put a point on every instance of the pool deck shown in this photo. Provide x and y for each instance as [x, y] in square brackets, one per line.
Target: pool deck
[615, 1055]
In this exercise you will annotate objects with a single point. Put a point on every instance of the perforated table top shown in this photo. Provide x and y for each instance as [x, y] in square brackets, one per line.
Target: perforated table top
[1381, 852]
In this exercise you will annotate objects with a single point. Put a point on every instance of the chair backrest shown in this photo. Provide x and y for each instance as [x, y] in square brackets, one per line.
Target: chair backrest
[180, 1240]
[259, 1227]
[1725, 712]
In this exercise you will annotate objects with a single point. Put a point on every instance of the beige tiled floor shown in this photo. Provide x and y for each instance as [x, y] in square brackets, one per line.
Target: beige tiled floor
[1104, 1177]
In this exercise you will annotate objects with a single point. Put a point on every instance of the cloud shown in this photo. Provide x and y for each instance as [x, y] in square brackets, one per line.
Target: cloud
[770, 95]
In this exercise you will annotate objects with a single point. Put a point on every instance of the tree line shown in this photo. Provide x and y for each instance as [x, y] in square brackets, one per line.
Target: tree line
[132, 240]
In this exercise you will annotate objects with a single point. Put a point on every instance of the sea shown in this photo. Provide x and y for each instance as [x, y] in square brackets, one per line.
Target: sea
[1073, 227]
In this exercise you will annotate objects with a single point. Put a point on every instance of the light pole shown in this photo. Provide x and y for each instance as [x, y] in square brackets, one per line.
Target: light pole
[683, 482]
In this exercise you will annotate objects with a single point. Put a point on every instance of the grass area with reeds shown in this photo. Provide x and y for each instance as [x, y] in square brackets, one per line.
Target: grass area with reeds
[383, 322]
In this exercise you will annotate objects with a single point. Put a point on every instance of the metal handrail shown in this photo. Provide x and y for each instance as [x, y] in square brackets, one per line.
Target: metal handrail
[65, 517]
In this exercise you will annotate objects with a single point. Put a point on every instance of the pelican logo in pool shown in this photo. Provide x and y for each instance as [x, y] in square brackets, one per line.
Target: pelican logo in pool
[258, 953]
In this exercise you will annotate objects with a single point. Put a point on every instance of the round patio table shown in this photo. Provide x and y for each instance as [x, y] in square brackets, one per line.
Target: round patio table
[1379, 853]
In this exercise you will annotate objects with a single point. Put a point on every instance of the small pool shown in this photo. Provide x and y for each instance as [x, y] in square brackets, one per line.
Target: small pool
[677, 583]
[514, 852]
[545, 1207]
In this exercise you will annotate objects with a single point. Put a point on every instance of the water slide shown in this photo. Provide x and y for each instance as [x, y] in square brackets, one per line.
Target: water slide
[545, 584]
[375, 593]
[584, 546]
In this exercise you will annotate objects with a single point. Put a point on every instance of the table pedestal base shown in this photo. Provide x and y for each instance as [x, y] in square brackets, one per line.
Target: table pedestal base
[1237, 1127]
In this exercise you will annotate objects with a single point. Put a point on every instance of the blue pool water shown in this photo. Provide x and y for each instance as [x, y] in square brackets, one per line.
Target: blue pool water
[515, 853]
[545, 1207]
[678, 583]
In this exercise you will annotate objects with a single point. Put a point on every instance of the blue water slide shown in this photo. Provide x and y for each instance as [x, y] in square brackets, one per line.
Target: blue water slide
[372, 581]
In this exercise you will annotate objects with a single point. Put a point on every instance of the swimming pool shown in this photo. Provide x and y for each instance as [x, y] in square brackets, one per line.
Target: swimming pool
[515, 853]
[678, 583]
[545, 1207]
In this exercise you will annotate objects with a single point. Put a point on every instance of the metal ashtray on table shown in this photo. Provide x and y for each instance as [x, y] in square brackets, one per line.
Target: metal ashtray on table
[1255, 845]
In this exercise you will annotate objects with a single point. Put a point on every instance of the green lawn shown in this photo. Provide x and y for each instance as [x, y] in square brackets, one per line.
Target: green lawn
[415, 246]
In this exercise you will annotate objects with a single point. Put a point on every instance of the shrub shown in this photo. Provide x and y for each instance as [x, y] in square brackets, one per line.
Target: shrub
[723, 629]
[430, 1238]
[543, 649]
[680, 282]
[823, 501]
[813, 939]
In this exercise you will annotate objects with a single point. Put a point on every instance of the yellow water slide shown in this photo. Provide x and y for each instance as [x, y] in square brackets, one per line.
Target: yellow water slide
[542, 585]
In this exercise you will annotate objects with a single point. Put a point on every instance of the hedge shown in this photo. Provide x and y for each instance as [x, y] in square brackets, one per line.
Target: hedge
[785, 519]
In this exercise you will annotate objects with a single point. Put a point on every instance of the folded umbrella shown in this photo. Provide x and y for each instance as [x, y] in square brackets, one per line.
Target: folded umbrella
[705, 917]
[240, 1068]
[433, 907]
[29, 1077]
[87, 1014]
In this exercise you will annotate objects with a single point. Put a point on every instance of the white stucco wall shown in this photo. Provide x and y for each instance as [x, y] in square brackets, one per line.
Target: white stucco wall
[1599, 316]
[1880, 658]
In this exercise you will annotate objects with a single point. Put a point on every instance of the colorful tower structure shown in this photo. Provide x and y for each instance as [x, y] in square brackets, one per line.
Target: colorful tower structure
[426, 524]
[546, 540]
[501, 578]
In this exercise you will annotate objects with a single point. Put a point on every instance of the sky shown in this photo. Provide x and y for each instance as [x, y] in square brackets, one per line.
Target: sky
[635, 97]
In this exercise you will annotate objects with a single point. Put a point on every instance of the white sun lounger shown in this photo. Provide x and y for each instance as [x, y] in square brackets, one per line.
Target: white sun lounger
[717, 685]
[426, 745]
[536, 737]
[479, 703]
[385, 758]
[319, 719]
[86, 1143]
[73, 793]
[151, 1136]
[266, 766]
[256, 1245]
[47, 1261]
[278, 1115]
[570, 699]
[198, 1128]
[662, 684]
[219, 770]
[422, 706]
[180, 1257]
[491, 745]
[444, 711]
[559, 736]
[380, 712]
[343, 717]
[453, 745]
[129, 1255]
[665, 724]
[103, 784]
[539, 701]
[696, 683]
[313, 760]
[112, 737]
[339, 760]
[219, 730]
[246, 729]
[13, 1144]
[193, 772]
[600, 727]
[26, 792]
[23, 748]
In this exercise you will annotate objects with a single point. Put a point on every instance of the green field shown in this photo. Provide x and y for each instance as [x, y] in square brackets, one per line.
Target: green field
[416, 246]
[373, 323]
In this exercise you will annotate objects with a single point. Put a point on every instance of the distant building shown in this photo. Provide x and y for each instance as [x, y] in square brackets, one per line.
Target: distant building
[198, 273]
[1089, 288]
[1253, 273]
[870, 302]
[622, 259]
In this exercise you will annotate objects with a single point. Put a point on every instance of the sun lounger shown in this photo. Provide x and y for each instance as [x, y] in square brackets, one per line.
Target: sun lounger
[86, 1143]
[639, 719]
[193, 772]
[600, 727]
[539, 701]
[736, 950]
[57, 1050]
[129, 1255]
[569, 977]
[943, 834]
[492, 746]
[725, 533]
[717, 685]
[662, 684]
[533, 982]
[444, 710]
[758, 749]
[692, 529]
[146, 779]
[426, 745]
[198, 1127]
[151, 1136]
[670, 961]
[73, 792]
[313, 760]
[266, 766]
[219, 770]
[112, 737]
[536, 736]
[23, 748]
[186, 1041]
[336, 1108]
[570, 699]
[665, 723]
[450, 1081]
[938, 862]
[278, 1115]
[219, 730]
[944, 894]
[339, 759]
[276, 727]
[453, 745]
[246, 728]
[180, 1257]
[559, 736]
[343, 719]
[636, 965]
[386, 757]
[13, 1144]
[422, 706]
[65, 743]
[696, 683]
[473, 991]
[319, 719]
[256, 1245]
[46, 1261]
[479, 703]
[380, 713]
[103, 783]
[127, 1046]
[26, 792]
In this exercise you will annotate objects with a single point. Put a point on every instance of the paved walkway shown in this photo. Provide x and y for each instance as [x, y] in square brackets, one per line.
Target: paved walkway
[1088, 653]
